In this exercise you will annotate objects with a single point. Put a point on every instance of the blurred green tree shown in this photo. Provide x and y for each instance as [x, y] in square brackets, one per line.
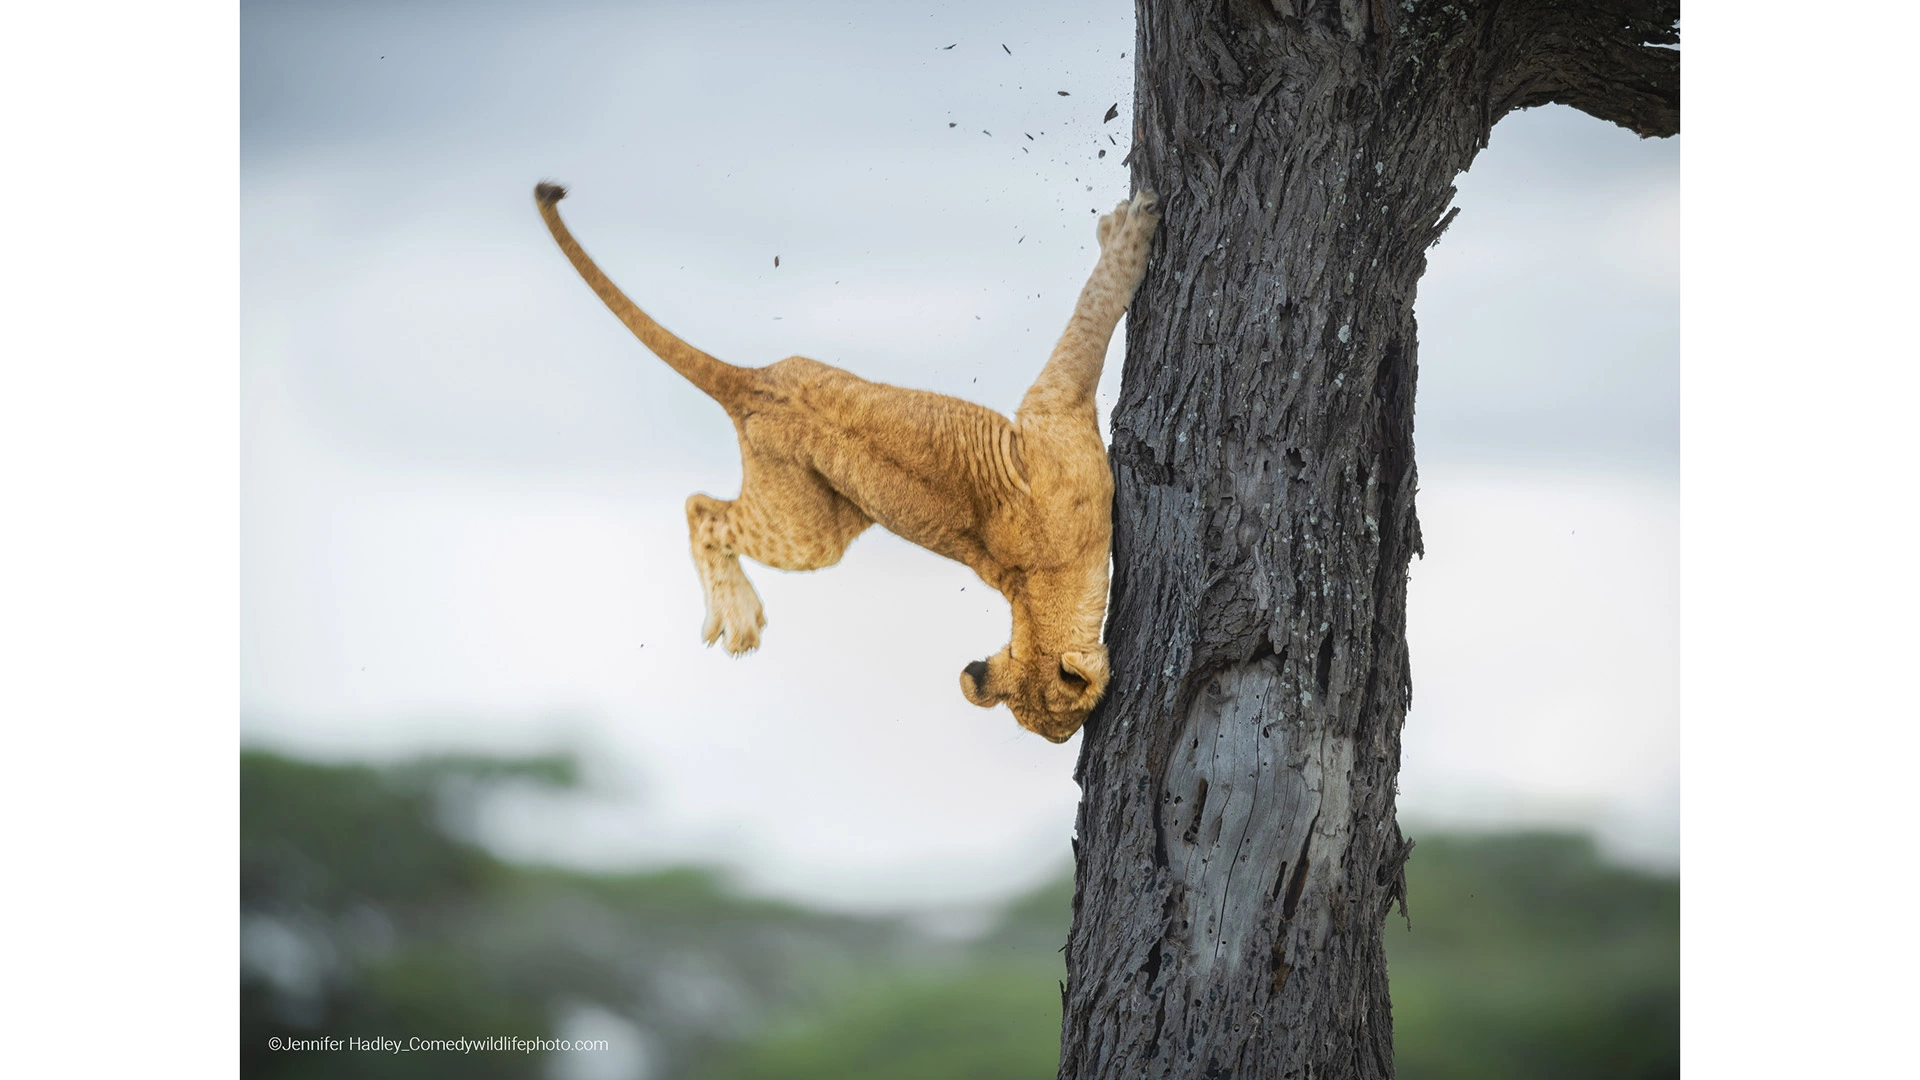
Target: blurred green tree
[365, 912]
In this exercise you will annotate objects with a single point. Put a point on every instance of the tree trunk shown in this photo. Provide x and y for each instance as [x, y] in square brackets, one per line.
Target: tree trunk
[1237, 850]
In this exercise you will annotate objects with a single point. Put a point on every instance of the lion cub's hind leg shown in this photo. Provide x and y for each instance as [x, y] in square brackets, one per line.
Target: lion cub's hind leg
[786, 517]
[733, 607]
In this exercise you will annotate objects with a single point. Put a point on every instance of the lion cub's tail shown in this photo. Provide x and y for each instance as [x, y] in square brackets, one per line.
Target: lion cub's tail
[722, 381]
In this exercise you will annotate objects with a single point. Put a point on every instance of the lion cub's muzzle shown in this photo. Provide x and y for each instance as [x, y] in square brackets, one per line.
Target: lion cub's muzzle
[979, 684]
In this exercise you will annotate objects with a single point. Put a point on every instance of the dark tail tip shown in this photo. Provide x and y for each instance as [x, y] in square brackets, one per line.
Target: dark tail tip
[548, 192]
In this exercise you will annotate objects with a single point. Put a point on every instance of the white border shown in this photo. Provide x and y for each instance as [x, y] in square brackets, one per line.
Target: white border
[118, 433]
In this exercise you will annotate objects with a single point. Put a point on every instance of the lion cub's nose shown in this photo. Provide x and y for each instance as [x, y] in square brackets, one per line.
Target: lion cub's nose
[977, 671]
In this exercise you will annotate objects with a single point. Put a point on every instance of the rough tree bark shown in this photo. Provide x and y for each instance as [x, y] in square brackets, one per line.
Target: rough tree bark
[1237, 850]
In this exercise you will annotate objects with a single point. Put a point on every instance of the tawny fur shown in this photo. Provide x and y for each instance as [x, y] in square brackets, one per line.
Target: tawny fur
[1026, 503]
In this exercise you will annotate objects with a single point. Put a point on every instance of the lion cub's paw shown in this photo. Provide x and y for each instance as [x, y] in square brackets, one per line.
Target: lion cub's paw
[1126, 233]
[734, 619]
[1133, 219]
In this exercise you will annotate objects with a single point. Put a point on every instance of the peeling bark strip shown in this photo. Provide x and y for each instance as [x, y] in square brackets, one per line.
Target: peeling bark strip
[1237, 851]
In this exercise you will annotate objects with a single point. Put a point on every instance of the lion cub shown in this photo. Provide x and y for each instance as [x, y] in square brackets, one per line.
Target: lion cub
[1027, 503]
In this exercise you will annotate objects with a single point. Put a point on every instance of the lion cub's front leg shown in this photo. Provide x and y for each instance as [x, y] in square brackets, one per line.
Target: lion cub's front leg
[1067, 382]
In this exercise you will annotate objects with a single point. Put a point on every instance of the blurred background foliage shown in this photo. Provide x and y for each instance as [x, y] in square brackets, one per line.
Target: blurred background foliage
[368, 908]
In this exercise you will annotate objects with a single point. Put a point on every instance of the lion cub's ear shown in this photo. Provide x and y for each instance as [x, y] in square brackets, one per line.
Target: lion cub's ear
[1087, 667]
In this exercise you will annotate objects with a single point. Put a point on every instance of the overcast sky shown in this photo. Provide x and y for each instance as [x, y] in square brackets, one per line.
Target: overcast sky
[462, 479]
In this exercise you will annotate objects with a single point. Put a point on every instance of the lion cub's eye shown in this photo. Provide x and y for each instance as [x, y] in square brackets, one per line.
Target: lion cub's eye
[1071, 678]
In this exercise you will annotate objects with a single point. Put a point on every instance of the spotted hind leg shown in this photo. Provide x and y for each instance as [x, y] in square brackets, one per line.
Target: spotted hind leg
[786, 517]
[733, 607]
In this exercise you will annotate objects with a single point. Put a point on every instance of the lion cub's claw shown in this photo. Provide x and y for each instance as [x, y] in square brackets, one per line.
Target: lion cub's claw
[742, 643]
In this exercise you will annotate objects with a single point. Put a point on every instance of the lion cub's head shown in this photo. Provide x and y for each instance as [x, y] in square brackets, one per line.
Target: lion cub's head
[1050, 694]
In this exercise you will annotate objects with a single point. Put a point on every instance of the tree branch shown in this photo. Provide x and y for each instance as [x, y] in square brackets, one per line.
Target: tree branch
[1603, 57]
